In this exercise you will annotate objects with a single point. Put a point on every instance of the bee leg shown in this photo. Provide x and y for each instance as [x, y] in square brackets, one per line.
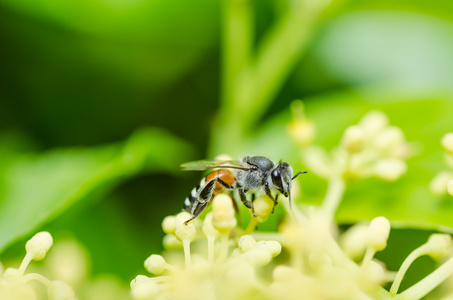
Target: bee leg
[244, 200]
[198, 209]
[268, 193]
[204, 196]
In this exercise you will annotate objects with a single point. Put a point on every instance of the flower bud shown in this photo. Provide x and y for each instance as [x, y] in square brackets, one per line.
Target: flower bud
[353, 241]
[185, 231]
[389, 139]
[372, 273]
[170, 242]
[438, 245]
[273, 247]
[439, 184]
[353, 139]
[155, 264]
[378, 233]
[208, 227]
[258, 257]
[169, 224]
[447, 142]
[39, 244]
[390, 169]
[450, 187]
[223, 213]
[60, 290]
[263, 207]
[246, 243]
[373, 122]
[12, 273]
[302, 131]
[143, 287]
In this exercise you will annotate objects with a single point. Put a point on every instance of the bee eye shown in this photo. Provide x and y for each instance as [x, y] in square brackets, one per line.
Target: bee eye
[277, 179]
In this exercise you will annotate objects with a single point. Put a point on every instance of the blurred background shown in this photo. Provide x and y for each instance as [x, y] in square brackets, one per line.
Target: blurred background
[101, 100]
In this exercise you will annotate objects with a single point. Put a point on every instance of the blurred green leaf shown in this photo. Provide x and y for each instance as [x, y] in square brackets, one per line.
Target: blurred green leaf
[404, 48]
[37, 187]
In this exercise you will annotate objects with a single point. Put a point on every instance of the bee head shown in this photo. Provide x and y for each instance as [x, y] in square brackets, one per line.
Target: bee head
[281, 176]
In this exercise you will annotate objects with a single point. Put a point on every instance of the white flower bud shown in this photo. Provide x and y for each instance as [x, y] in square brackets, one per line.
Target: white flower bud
[302, 131]
[143, 287]
[447, 142]
[353, 241]
[273, 247]
[373, 273]
[258, 257]
[292, 236]
[263, 206]
[170, 242]
[155, 264]
[389, 139]
[185, 231]
[450, 187]
[378, 233]
[390, 169]
[373, 122]
[246, 243]
[169, 224]
[208, 227]
[223, 213]
[353, 139]
[12, 273]
[60, 290]
[438, 245]
[39, 244]
[439, 184]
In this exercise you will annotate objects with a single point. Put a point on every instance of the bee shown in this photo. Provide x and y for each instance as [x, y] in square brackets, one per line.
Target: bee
[251, 173]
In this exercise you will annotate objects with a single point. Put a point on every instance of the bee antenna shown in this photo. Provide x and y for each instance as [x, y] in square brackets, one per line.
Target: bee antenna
[297, 174]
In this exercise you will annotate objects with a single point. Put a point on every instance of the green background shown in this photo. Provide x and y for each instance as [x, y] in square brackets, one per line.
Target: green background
[100, 101]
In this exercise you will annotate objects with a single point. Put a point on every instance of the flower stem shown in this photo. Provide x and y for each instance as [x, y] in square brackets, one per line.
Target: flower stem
[25, 262]
[404, 267]
[251, 226]
[223, 248]
[427, 284]
[186, 246]
[335, 191]
[211, 245]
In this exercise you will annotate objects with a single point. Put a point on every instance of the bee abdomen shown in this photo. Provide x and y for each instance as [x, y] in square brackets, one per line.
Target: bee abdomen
[223, 174]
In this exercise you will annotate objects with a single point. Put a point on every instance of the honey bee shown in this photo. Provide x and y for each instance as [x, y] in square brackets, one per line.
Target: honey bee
[251, 173]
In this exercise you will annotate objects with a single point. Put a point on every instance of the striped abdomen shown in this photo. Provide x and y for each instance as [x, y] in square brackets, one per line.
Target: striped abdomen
[223, 174]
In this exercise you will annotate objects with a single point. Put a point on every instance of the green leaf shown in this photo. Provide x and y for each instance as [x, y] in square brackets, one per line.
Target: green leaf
[37, 187]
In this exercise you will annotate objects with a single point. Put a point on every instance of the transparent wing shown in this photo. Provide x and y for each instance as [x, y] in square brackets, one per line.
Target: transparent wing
[215, 164]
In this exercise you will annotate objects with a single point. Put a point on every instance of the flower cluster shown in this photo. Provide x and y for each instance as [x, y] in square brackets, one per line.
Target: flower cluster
[370, 148]
[443, 182]
[14, 283]
[308, 257]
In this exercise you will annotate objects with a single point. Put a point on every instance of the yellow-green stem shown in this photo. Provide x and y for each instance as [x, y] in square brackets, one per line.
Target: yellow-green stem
[188, 259]
[427, 284]
[27, 259]
[405, 266]
[335, 191]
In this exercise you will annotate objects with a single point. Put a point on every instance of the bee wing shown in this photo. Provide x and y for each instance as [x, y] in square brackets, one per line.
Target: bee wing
[215, 164]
